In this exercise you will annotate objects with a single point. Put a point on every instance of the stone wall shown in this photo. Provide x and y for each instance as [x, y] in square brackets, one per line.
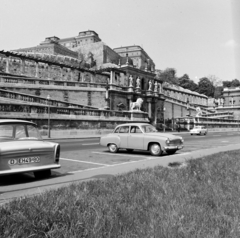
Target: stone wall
[85, 96]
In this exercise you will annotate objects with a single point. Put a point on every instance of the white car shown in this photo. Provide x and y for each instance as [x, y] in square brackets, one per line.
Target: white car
[141, 136]
[22, 149]
[199, 130]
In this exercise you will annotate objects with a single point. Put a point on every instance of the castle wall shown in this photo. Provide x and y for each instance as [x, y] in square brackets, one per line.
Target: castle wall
[85, 96]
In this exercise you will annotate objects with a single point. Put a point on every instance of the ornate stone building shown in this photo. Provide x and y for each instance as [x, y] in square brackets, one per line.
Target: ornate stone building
[140, 58]
[90, 73]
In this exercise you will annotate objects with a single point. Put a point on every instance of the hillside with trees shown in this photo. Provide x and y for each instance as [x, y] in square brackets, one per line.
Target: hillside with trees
[210, 86]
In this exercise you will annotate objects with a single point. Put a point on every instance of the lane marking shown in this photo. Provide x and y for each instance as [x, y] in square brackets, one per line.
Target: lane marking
[91, 144]
[225, 141]
[129, 162]
[105, 153]
[81, 161]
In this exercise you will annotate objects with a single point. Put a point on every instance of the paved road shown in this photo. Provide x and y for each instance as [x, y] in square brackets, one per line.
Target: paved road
[78, 155]
[82, 159]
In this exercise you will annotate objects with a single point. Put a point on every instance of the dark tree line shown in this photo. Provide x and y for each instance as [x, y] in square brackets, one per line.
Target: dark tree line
[210, 86]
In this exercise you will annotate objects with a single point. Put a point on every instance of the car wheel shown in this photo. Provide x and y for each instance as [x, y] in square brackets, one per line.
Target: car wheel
[42, 174]
[171, 152]
[113, 148]
[200, 133]
[155, 149]
[129, 150]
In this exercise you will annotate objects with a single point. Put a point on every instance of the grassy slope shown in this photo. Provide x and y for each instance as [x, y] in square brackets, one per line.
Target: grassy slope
[200, 200]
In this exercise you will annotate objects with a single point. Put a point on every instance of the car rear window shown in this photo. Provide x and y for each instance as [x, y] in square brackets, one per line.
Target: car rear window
[6, 131]
[33, 132]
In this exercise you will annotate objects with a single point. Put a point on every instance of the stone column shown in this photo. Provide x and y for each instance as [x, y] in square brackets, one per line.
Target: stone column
[82, 77]
[61, 73]
[112, 75]
[49, 71]
[155, 112]
[71, 74]
[23, 67]
[149, 109]
[37, 70]
[8, 64]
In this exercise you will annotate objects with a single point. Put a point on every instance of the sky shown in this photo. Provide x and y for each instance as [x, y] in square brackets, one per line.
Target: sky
[200, 38]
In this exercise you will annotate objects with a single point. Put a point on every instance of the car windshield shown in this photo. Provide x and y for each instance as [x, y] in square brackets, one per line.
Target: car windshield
[18, 132]
[148, 128]
[197, 127]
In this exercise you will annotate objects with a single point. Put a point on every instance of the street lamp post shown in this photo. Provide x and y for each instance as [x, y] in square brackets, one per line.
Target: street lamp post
[164, 119]
[188, 108]
[48, 98]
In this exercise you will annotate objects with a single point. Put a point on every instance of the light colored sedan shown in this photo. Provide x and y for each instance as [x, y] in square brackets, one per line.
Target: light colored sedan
[22, 149]
[141, 136]
[199, 130]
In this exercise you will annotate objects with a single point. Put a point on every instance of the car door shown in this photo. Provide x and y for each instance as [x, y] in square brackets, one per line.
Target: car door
[135, 138]
[123, 136]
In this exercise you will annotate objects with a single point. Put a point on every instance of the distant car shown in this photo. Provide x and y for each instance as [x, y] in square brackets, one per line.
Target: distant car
[199, 130]
[22, 149]
[141, 136]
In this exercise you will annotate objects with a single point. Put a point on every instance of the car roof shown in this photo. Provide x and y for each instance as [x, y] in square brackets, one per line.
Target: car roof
[134, 124]
[4, 121]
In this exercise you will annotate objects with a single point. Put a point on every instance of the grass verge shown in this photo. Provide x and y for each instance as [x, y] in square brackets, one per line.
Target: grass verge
[199, 200]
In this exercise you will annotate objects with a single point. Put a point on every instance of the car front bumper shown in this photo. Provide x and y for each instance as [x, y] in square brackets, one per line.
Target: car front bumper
[171, 147]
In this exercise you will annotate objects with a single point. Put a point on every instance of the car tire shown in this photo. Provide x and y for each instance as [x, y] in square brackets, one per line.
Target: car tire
[155, 149]
[171, 152]
[200, 133]
[42, 174]
[129, 150]
[113, 148]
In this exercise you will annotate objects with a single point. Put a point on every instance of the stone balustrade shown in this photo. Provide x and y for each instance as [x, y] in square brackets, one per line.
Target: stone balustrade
[41, 112]
[4, 79]
[31, 99]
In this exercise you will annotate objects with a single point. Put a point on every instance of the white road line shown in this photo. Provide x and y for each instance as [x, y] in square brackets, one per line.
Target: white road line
[225, 141]
[91, 144]
[102, 153]
[129, 162]
[80, 161]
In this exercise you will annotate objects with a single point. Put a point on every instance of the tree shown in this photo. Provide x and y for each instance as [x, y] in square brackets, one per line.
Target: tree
[168, 75]
[226, 84]
[206, 87]
[215, 80]
[187, 83]
[218, 92]
[235, 83]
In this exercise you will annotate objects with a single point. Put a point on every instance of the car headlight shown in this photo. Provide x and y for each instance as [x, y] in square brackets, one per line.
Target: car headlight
[167, 142]
[182, 140]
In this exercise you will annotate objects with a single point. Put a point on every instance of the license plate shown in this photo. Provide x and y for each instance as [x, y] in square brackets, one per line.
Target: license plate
[24, 160]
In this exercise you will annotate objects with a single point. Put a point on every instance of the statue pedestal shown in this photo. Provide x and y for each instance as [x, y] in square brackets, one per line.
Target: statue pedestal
[149, 93]
[138, 90]
[130, 89]
[137, 115]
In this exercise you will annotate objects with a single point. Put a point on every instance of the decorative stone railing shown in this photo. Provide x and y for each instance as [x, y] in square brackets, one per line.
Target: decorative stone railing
[38, 100]
[41, 82]
[41, 112]
[219, 114]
